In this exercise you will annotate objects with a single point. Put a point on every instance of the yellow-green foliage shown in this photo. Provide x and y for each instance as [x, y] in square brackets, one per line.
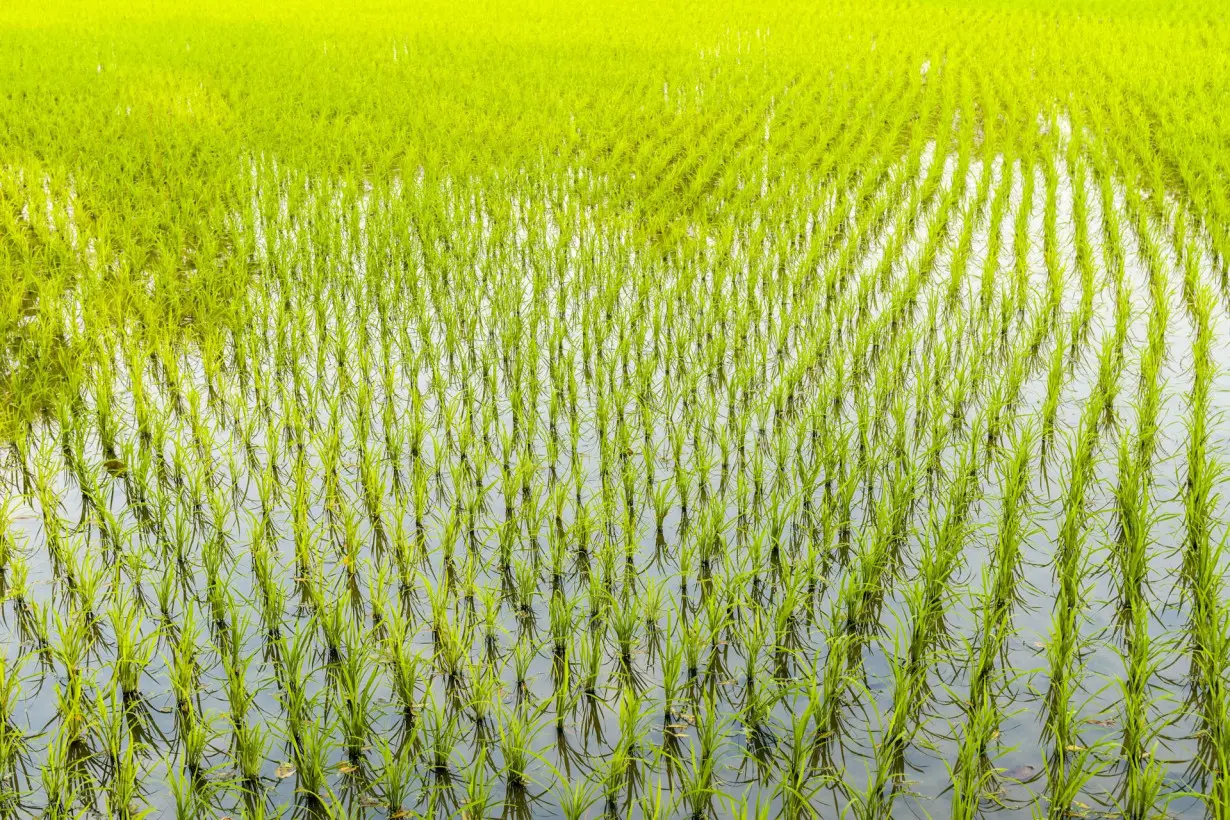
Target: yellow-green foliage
[145, 116]
[709, 409]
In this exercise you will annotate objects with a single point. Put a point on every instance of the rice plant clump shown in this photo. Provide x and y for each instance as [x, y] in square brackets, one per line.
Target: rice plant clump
[734, 410]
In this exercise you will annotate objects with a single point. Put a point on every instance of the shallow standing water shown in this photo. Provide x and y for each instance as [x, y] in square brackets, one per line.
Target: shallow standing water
[665, 534]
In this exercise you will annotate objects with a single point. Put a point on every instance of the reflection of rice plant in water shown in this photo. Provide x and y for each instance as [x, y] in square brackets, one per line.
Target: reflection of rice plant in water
[753, 411]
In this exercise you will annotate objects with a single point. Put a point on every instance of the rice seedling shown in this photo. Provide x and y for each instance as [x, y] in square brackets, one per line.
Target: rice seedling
[762, 410]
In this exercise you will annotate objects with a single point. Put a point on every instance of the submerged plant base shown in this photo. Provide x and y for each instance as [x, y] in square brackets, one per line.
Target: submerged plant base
[754, 410]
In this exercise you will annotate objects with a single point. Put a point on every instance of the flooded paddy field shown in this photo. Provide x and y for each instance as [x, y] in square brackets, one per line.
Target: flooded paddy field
[684, 420]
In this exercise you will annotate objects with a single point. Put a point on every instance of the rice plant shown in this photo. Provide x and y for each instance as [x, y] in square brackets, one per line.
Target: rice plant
[748, 409]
